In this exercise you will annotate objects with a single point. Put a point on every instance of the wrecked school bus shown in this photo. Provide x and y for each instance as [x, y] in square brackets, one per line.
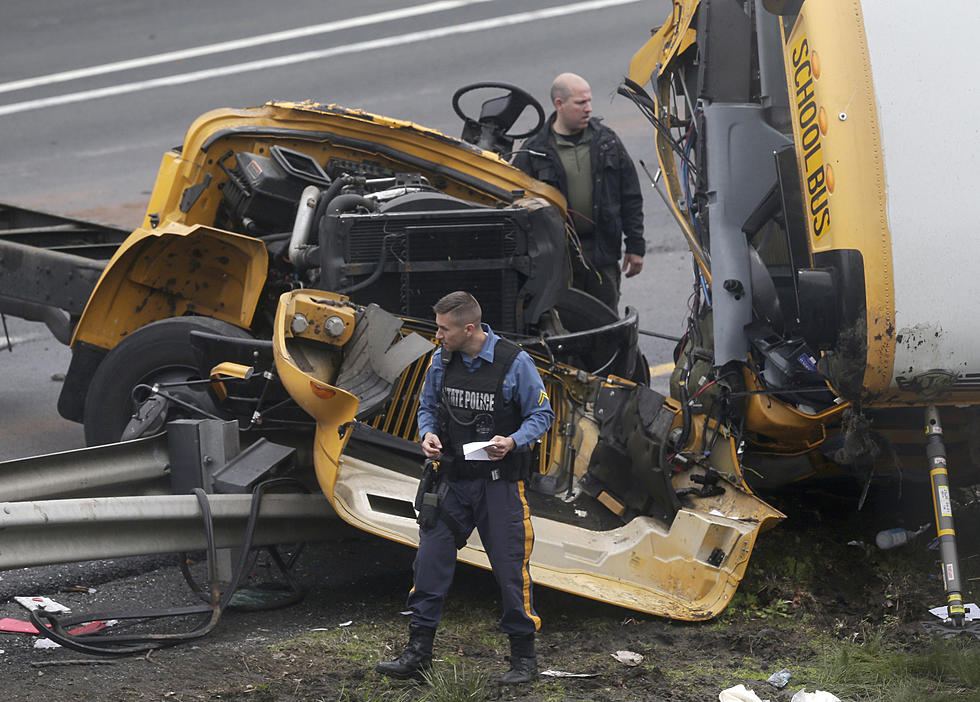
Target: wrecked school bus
[828, 332]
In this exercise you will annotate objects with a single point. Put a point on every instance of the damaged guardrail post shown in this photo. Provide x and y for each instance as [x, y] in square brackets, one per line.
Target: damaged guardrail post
[207, 454]
[197, 448]
[39, 527]
[939, 478]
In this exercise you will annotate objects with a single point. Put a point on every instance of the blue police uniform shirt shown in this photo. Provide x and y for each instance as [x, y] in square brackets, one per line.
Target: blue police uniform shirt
[522, 377]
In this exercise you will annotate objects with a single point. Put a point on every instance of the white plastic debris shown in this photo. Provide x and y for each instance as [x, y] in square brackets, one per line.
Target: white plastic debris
[816, 696]
[627, 657]
[739, 693]
[46, 643]
[972, 611]
[566, 674]
[45, 603]
[348, 623]
[779, 680]
[581, 513]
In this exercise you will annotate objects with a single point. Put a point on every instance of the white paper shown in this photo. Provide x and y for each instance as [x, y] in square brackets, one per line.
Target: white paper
[43, 603]
[739, 693]
[566, 674]
[476, 450]
[816, 696]
[972, 611]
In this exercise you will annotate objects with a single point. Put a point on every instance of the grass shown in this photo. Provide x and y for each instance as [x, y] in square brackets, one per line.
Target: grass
[840, 618]
[870, 665]
[373, 694]
[358, 644]
[456, 683]
[876, 670]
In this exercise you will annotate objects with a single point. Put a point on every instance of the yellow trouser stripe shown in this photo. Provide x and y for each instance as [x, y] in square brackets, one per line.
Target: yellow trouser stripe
[528, 545]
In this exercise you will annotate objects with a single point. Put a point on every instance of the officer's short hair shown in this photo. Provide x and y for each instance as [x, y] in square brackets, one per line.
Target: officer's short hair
[462, 306]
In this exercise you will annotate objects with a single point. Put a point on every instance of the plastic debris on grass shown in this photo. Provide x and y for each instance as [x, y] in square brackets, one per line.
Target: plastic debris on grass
[815, 696]
[780, 679]
[628, 657]
[566, 674]
[739, 693]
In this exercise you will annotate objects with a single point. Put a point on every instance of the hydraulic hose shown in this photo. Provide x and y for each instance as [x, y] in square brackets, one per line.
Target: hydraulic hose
[378, 269]
[55, 628]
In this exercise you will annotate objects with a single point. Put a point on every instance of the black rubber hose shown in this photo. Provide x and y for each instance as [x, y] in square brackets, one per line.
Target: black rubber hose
[349, 201]
[124, 644]
[378, 269]
[137, 643]
[329, 194]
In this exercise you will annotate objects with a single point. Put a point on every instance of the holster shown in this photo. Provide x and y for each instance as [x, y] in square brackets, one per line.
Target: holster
[428, 499]
[433, 488]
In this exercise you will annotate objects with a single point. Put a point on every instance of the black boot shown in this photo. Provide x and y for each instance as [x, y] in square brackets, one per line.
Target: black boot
[417, 657]
[523, 662]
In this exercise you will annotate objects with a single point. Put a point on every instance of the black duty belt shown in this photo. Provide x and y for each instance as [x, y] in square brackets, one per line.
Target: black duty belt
[460, 470]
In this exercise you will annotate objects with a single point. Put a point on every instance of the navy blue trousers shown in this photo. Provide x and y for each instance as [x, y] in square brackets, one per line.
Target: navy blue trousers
[499, 512]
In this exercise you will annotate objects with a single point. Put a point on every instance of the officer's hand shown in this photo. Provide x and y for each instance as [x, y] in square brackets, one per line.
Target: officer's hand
[431, 446]
[501, 446]
[632, 264]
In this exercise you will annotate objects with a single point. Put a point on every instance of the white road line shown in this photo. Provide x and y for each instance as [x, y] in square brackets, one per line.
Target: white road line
[236, 44]
[278, 62]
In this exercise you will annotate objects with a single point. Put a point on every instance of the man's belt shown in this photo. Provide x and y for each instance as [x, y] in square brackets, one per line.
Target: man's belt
[473, 470]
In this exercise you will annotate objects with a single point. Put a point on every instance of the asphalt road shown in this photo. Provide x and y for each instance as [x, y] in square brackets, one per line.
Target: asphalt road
[93, 93]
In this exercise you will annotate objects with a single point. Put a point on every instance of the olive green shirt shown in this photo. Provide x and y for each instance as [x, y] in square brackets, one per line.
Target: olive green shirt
[577, 162]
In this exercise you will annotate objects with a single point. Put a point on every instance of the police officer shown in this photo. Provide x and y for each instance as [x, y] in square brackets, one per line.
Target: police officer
[479, 387]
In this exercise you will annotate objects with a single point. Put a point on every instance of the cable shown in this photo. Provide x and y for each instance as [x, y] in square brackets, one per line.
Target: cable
[55, 628]
[6, 333]
[123, 644]
[668, 337]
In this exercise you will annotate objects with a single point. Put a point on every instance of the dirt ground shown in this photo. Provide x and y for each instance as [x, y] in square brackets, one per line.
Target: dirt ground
[816, 575]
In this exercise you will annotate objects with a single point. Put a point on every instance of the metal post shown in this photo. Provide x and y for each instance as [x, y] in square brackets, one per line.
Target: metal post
[936, 453]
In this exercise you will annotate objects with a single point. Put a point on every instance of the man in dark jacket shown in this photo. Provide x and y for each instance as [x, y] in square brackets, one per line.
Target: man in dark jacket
[588, 163]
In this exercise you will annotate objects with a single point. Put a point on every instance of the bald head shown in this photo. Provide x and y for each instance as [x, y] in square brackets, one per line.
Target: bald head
[572, 98]
[562, 85]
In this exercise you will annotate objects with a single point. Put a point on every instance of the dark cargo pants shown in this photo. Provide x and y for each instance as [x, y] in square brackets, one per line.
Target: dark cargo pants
[601, 282]
[499, 512]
